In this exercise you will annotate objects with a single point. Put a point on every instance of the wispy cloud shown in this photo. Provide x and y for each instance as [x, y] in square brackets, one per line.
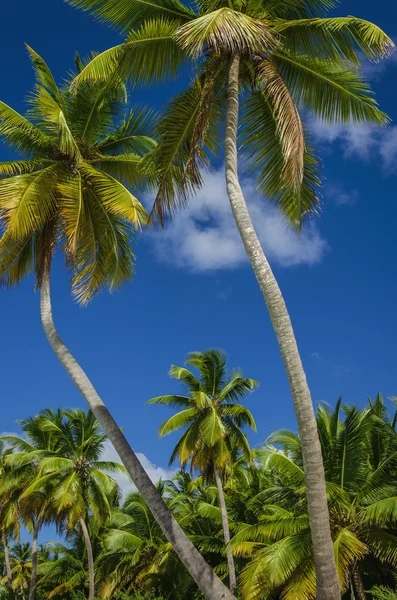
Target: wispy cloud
[204, 236]
[364, 142]
[316, 356]
[335, 193]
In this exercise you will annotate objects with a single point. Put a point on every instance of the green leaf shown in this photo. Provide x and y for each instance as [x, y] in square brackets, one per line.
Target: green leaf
[225, 30]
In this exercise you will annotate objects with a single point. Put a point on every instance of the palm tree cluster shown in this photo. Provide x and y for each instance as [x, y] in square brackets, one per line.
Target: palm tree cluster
[245, 510]
[259, 69]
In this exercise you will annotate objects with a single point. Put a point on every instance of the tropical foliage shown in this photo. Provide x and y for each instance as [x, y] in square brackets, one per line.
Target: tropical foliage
[81, 154]
[63, 453]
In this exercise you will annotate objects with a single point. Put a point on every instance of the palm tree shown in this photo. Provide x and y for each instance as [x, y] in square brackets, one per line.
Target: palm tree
[137, 556]
[9, 510]
[71, 191]
[71, 479]
[21, 567]
[213, 421]
[362, 501]
[280, 55]
[21, 470]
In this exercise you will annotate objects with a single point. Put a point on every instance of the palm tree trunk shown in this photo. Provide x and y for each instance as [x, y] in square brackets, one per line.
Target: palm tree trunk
[90, 558]
[8, 564]
[326, 576]
[33, 578]
[358, 585]
[226, 532]
[210, 585]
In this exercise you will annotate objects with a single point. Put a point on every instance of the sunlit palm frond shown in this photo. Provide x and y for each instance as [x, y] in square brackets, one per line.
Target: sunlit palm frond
[128, 14]
[225, 30]
[335, 38]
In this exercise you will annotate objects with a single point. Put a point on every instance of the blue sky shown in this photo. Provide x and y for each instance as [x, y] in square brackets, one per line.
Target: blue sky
[193, 288]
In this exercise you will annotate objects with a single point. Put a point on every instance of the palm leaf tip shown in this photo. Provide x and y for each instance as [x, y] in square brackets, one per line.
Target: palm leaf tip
[225, 29]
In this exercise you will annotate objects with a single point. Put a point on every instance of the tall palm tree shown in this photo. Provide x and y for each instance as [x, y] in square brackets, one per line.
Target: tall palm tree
[213, 422]
[361, 494]
[280, 56]
[72, 190]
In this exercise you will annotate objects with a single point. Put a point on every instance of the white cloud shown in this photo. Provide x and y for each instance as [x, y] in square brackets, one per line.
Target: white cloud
[155, 472]
[204, 237]
[374, 71]
[340, 197]
[361, 141]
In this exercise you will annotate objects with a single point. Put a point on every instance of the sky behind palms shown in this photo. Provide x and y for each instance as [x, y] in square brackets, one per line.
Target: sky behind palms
[194, 290]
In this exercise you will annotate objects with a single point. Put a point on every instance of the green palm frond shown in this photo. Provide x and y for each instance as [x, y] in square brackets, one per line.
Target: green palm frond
[347, 550]
[20, 167]
[149, 55]
[20, 133]
[134, 134]
[28, 201]
[329, 90]
[115, 198]
[182, 401]
[54, 122]
[43, 74]
[129, 14]
[177, 421]
[335, 38]
[186, 377]
[225, 30]
[266, 162]
[383, 544]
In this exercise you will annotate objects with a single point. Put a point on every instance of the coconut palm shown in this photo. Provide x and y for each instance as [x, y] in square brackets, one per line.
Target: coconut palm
[9, 510]
[137, 556]
[72, 480]
[21, 567]
[21, 470]
[281, 56]
[72, 190]
[212, 420]
[362, 501]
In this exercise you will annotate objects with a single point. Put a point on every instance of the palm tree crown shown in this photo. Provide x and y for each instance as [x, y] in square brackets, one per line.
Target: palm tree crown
[211, 415]
[293, 58]
[72, 187]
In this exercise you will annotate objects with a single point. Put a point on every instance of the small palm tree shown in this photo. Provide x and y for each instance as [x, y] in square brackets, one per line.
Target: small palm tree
[213, 422]
[362, 501]
[72, 480]
[72, 191]
[21, 569]
[280, 56]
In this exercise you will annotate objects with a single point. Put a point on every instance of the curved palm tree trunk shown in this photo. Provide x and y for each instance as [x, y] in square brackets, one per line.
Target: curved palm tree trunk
[33, 578]
[90, 558]
[226, 532]
[210, 585]
[359, 591]
[326, 576]
[7, 563]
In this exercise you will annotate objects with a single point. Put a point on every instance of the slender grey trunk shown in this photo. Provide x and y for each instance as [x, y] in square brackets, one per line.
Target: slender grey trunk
[90, 558]
[226, 532]
[326, 576]
[210, 585]
[7, 562]
[358, 585]
[33, 578]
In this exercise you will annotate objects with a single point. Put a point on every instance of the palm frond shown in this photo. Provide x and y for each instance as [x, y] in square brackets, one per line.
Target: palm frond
[225, 30]
[129, 14]
[329, 90]
[335, 38]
